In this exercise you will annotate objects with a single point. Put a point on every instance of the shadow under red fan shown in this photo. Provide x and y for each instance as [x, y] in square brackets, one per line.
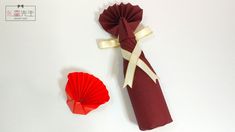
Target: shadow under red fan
[85, 92]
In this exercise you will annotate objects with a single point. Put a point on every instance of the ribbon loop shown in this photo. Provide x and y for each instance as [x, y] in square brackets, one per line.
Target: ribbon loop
[113, 42]
[110, 43]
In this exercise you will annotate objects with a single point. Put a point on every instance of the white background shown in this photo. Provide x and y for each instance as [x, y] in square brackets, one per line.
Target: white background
[192, 50]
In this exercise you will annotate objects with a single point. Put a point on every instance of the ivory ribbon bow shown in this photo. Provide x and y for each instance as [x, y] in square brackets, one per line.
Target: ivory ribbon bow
[133, 57]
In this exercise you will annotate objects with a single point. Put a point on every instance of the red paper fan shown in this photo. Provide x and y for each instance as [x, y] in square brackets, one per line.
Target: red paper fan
[113, 16]
[85, 92]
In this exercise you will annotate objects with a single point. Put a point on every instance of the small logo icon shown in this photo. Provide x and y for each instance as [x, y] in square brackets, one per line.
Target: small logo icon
[20, 13]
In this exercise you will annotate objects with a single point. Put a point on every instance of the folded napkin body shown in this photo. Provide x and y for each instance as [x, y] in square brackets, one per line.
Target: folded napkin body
[146, 96]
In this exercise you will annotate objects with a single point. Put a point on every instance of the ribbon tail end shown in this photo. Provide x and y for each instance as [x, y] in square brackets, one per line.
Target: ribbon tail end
[127, 84]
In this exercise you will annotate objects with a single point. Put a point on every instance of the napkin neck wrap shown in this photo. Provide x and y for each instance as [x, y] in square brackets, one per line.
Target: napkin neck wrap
[129, 39]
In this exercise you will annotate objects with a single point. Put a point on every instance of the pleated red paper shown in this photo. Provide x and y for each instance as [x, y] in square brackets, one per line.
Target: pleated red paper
[85, 92]
[146, 96]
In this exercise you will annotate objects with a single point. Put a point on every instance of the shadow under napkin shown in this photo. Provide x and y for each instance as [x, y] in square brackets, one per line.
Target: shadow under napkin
[117, 72]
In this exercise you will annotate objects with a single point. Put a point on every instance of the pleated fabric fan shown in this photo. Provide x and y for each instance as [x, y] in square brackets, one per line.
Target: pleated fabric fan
[85, 92]
[130, 15]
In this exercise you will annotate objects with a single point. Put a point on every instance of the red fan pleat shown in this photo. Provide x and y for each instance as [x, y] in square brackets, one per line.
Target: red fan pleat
[85, 92]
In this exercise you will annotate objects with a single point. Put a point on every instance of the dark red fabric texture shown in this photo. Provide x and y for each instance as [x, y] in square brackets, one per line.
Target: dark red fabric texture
[147, 99]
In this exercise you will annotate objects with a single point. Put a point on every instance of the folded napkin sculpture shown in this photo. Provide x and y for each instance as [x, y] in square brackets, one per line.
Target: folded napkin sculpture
[145, 93]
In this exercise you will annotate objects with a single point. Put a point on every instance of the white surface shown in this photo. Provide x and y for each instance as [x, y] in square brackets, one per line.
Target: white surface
[192, 51]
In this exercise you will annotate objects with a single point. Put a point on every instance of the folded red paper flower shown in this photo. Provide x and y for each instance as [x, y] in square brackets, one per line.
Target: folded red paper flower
[85, 92]
[141, 81]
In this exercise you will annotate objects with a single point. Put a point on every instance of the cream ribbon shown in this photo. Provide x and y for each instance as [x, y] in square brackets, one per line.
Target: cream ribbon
[133, 57]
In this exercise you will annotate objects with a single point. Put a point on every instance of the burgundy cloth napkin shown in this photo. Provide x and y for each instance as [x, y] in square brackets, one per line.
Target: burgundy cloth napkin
[146, 96]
